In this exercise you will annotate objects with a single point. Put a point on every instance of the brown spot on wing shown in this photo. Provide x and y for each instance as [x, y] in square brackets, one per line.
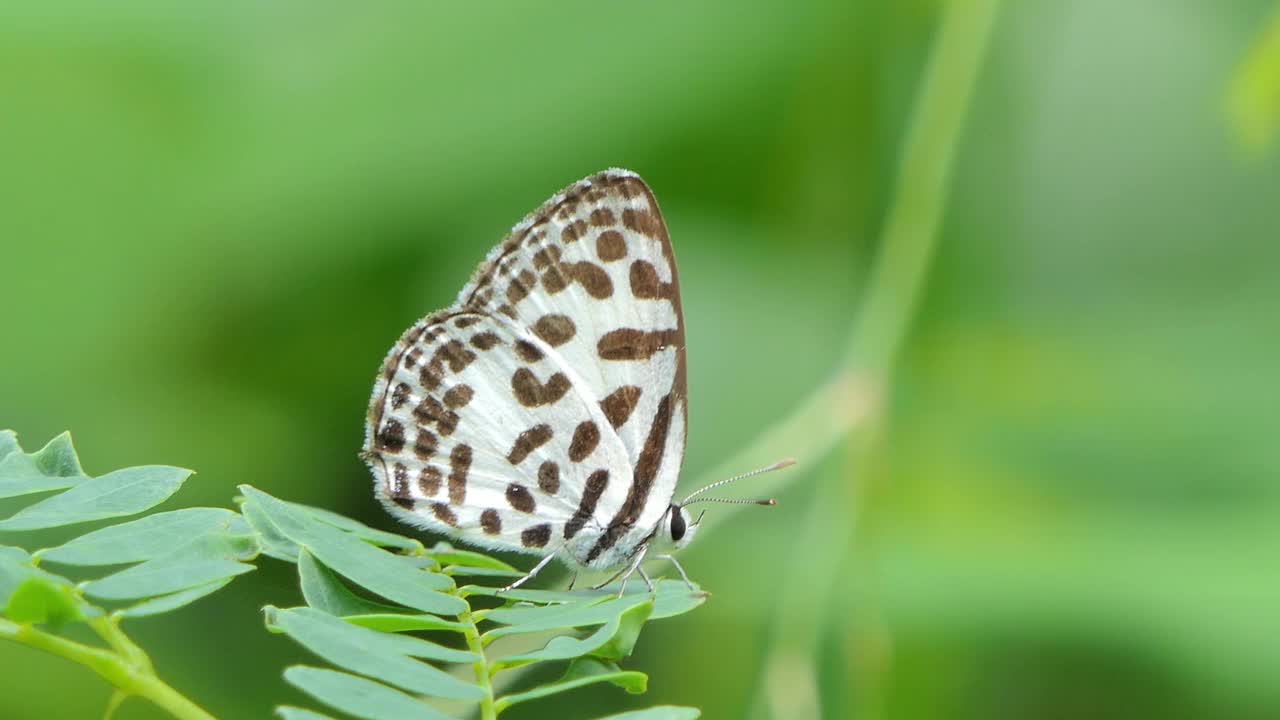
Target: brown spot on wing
[444, 514]
[633, 344]
[458, 396]
[645, 283]
[643, 222]
[573, 231]
[521, 286]
[424, 446]
[592, 278]
[554, 330]
[528, 441]
[391, 438]
[490, 522]
[611, 246]
[456, 354]
[431, 411]
[532, 393]
[429, 479]
[585, 438]
[536, 536]
[619, 404]
[527, 351]
[459, 465]
[601, 217]
[596, 484]
[519, 497]
[549, 477]
[484, 340]
[399, 396]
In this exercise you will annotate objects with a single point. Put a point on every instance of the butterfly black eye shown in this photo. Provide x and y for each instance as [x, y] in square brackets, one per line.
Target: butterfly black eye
[677, 524]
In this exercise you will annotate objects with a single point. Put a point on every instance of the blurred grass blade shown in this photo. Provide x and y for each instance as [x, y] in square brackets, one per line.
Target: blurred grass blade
[661, 712]
[358, 696]
[142, 539]
[613, 641]
[168, 603]
[581, 673]
[391, 576]
[53, 467]
[117, 494]
[379, 655]
[199, 562]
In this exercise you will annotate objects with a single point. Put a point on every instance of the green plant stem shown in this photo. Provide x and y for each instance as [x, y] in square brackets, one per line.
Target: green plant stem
[875, 341]
[114, 667]
[488, 710]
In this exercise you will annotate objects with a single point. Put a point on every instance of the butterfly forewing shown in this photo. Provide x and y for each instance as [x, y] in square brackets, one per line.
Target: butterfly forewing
[546, 408]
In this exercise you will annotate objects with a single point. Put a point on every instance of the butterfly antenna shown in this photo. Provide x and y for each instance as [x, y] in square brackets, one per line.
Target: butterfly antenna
[767, 501]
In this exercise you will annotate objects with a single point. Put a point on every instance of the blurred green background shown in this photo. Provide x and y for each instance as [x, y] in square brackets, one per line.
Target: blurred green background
[215, 218]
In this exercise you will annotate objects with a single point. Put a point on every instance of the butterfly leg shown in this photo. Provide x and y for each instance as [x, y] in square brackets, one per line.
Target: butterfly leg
[631, 569]
[612, 577]
[647, 582]
[573, 580]
[536, 569]
[683, 576]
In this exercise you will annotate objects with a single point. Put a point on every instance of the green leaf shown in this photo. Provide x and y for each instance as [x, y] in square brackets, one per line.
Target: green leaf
[360, 530]
[557, 617]
[446, 554]
[581, 672]
[15, 566]
[375, 654]
[661, 712]
[394, 622]
[358, 696]
[8, 443]
[40, 599]
[613, 641]
[200, 562]
[295, 713]
[116, 494]
[391, 576]
[169, 603]
[273, 542]
[53, 467]
[375, 641]
[467, 571]
[324, 591]
[143, 539]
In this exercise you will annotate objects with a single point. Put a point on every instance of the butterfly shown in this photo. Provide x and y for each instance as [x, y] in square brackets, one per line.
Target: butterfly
[546, 410]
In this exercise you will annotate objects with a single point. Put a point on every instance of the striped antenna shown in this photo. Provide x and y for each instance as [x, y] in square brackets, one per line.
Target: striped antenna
[763, 501]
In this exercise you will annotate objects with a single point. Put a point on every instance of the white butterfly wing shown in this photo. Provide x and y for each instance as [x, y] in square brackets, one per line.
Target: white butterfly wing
[584, 301]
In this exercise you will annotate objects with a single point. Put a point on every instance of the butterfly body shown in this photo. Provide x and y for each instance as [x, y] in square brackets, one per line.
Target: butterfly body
[545, 410]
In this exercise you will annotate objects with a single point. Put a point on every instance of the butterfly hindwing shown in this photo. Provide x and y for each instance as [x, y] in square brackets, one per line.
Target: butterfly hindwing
[569, 342]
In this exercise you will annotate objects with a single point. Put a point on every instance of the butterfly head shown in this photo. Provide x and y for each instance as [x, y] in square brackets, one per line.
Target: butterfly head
[677, 529]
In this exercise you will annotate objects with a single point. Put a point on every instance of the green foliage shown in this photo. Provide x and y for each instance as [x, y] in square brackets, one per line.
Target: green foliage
[366, 590]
